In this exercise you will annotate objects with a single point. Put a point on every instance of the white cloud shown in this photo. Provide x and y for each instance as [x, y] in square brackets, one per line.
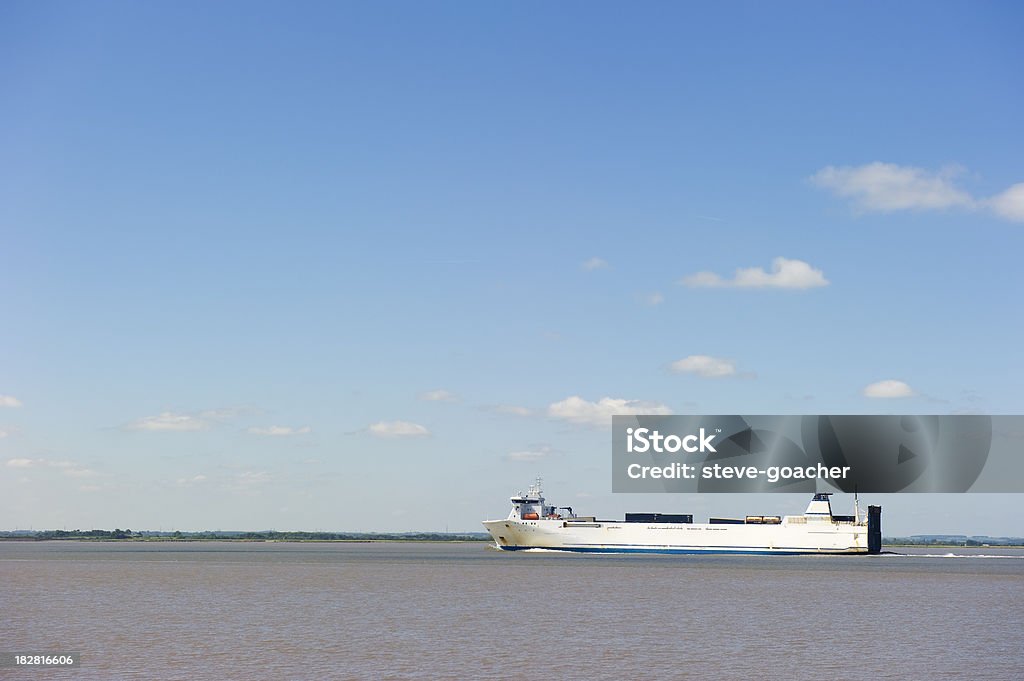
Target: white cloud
[3, 433]
[887, 187]
[438, 396]
[253, 478]
[653, 299]
[888, 389]
[513, 409]
[786, 273]
[69, 468]
[9, 401]
[189, 421]
[79, 472]
[575, 409]
[398, 429]
[280, 431]
[226, 413]
[1010, 204]
[537, 453]
[194, 480]
[705, 365]
[594, 264]
[169, 420]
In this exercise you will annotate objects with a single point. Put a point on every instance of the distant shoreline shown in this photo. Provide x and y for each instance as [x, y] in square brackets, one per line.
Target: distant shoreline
[955, 546]
[389, 539]
[10, 540]
[247, 537]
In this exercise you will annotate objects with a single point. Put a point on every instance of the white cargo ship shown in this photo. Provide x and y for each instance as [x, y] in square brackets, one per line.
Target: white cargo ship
[533, 524]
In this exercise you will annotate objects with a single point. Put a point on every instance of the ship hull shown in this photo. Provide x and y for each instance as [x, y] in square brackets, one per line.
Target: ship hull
[822, 536]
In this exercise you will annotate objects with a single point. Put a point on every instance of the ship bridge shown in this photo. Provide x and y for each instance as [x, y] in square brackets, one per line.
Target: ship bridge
[530, 506]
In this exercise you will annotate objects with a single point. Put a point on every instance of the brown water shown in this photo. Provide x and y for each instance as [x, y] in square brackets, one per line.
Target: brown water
[408, 610]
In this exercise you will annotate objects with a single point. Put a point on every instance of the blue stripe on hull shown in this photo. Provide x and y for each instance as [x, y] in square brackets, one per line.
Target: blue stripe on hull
[689, 552]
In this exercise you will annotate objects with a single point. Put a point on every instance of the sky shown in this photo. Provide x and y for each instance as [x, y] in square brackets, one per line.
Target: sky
[376, 266]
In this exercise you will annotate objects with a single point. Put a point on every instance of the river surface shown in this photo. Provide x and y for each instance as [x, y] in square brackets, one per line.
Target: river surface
[216, 610]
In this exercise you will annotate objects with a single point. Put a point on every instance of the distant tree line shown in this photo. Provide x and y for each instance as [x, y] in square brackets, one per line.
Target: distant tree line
[269, 535]
[953, 540]
[72, 534]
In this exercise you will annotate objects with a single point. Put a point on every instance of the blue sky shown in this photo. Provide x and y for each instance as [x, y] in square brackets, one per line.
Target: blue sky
[303, 267]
